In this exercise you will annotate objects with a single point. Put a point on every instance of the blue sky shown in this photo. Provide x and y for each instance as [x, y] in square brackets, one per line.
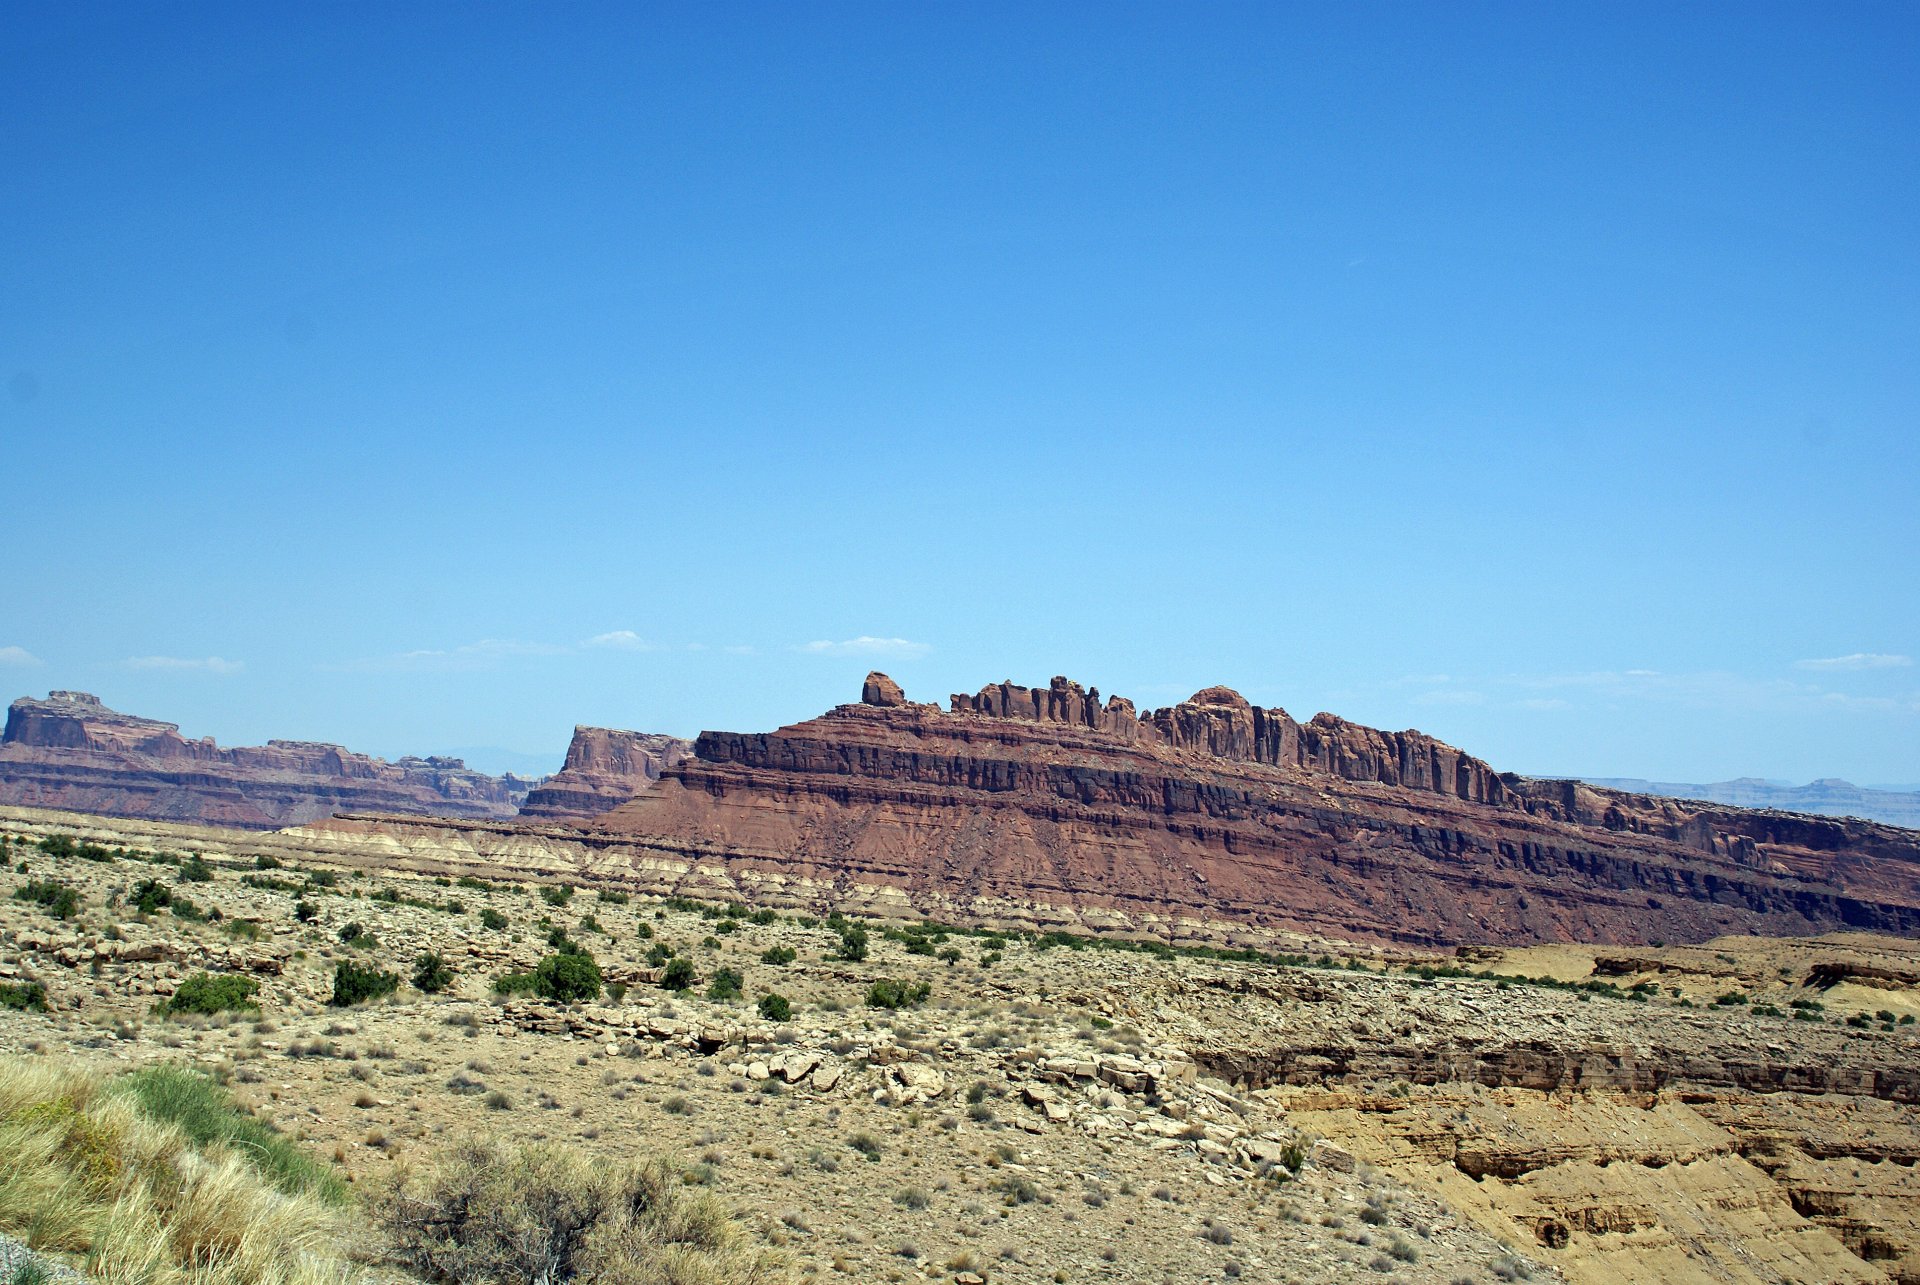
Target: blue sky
[1541, 376]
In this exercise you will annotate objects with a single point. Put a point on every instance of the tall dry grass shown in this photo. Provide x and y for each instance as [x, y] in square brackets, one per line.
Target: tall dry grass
[86, 1170]
[489, 1212]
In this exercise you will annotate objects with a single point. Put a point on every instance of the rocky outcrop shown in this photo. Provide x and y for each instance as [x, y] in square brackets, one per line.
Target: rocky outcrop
[1078, 807]
[605, 767]
[72, 752]
[1221, 723]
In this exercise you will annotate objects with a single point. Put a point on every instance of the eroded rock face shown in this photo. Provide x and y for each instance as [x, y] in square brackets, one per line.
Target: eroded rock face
[1216, 809]
[1221, 723]
[72, 752]
[605, 767]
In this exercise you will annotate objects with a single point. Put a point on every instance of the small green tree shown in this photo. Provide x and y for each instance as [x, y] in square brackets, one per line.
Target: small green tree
[150, 895]
[491, 919]
[212, 993]
[853, 943]
[352, 984]
[887, 993]
[567, 977]
[775, 1008]
[725, 984]
[431, 973]
[678, 976]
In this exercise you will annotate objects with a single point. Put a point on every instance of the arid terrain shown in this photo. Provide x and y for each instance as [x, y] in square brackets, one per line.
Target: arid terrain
[1054, 1107]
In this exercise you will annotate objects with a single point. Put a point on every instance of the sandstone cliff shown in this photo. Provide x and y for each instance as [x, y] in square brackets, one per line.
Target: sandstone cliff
[1068, 804]
[605, 767]
[72, 752]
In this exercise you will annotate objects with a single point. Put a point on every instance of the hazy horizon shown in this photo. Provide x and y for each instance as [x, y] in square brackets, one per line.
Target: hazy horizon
[1542, 378]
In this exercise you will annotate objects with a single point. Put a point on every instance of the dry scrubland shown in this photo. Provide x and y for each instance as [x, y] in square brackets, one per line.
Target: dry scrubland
[1040, 1111]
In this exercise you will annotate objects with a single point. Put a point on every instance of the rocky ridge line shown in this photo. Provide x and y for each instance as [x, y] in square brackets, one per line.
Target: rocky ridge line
[72, 752]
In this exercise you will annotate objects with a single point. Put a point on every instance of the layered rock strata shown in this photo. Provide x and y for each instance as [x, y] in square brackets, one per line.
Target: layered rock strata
[605, 767]
[1217, 809]
[72, 752]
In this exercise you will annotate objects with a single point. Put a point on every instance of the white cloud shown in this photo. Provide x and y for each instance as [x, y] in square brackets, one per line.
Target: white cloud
[866, 645]
[206, 664]
[484, 654]
[1858, 660]
[17, 656]
[621, 640]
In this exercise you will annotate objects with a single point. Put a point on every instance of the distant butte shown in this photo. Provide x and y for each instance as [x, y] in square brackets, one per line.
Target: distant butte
[71, 752]
[605, 767]
[1053, 805]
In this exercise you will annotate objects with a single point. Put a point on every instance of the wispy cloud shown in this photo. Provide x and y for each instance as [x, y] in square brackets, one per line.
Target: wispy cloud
[866, 645]
[203, 664]
[487, 649]
[621, 640]
[484, 654]
[1856, 661]
[17, 656]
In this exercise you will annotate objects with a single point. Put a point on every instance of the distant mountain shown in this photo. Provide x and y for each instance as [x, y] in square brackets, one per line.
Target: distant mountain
[1826, 797]
[71, 752]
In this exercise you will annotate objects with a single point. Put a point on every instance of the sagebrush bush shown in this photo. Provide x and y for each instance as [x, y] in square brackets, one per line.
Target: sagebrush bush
[490, 1212]
[212, 993]
[352, 984]
[888, 993]
[431, 973]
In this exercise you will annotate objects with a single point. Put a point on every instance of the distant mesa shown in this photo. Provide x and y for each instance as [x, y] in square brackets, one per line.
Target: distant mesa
[1055, 805]
[1825, 797]
[71, 752]
[604, 768]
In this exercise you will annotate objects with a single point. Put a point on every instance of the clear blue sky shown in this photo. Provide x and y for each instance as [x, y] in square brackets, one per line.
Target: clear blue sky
[1546, 377]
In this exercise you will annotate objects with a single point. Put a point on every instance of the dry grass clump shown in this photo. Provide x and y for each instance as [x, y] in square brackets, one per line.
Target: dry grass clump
[546, 1213]
[86, 1169]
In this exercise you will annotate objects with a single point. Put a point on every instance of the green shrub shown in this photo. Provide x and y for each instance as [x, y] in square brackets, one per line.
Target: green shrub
[212, 993]
[491, 919]
[264, 862]
[775, 1008]
[609, 897]
[352, 984]
[762, 917]
[183, 907]
[514, 984]
[778, 956]
[853, 943]
[431, 973]
[678, 976]
[556, 894]
[56, 899]
[195, 870]
[305, 911]
[658, 954]
[567, 976]
[23, 996]
[357, 935]
[888, 993]
[725, 984]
